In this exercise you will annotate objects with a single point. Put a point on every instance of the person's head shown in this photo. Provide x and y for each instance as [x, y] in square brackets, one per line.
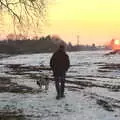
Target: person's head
[61, 47]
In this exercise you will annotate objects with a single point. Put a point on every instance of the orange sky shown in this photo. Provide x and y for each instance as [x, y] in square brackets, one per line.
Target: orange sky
[95, 21]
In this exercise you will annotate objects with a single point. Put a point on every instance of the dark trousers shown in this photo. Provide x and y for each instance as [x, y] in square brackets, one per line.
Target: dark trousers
[60, 84]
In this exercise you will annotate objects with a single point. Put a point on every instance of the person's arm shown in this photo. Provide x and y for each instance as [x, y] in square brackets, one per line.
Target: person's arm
[52, 61]
[67, 62]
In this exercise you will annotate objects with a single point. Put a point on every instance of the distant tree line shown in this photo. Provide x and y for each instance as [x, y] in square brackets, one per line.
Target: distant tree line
[92, 47]
[22, 45]
[18, 44]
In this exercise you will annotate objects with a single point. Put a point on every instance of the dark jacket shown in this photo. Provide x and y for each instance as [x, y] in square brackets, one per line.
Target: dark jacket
[59, 63]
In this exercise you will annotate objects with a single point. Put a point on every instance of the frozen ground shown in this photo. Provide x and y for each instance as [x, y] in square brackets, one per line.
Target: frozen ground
[43, 106]
[92, 88]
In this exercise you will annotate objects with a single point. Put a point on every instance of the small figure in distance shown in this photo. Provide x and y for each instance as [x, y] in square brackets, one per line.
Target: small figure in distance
[59, 64]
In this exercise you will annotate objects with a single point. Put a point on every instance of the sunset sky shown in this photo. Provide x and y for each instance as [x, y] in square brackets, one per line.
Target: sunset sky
[95, 21]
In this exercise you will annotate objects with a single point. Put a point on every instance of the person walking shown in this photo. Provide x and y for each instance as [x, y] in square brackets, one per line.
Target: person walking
[59, 64]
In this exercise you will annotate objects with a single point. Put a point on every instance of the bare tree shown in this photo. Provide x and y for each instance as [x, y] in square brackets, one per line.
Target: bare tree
[25, 13]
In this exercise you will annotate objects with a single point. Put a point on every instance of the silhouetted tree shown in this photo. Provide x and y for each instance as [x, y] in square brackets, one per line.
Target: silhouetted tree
[25, 12]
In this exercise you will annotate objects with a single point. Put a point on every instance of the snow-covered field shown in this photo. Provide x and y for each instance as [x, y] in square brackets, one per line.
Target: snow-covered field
[93, 94]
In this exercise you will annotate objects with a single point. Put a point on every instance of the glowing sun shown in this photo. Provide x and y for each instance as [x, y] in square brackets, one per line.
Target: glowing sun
[117, 42]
